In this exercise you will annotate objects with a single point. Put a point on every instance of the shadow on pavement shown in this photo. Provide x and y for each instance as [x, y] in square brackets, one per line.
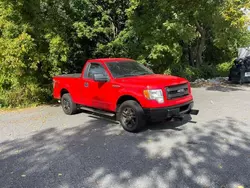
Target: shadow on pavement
[173, 124]
[225, 88]
[101, 155]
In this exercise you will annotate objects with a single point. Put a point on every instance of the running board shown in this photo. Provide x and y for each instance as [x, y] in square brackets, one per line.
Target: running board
[110, 114]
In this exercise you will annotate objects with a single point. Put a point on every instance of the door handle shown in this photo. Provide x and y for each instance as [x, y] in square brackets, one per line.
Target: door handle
[86, 84]
[116, 86]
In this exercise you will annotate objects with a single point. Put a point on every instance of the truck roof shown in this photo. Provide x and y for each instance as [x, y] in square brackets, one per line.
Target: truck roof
[104, 60]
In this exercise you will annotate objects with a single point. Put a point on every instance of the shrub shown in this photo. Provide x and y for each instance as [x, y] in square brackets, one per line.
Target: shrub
[208, 71]
[205, 71]
[25, 96]
[185, 71]
[223, 68]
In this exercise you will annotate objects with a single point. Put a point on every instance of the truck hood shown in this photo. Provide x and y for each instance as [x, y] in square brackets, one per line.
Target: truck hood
[155, 80]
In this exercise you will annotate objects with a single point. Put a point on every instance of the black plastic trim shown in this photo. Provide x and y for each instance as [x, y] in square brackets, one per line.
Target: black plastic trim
[160, 114]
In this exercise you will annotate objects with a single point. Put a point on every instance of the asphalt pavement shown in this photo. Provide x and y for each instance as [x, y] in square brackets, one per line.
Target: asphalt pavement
[42, 147]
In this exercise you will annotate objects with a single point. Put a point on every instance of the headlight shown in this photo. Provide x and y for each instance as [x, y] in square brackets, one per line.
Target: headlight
[155, 94]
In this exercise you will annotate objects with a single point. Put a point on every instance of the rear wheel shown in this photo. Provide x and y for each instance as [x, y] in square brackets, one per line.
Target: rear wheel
[131, 116]
[68, 106]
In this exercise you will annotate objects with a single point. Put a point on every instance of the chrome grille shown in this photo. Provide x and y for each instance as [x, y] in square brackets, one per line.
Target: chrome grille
[177, 91]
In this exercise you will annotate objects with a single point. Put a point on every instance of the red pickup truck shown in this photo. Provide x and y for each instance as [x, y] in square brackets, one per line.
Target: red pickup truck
[125, 89]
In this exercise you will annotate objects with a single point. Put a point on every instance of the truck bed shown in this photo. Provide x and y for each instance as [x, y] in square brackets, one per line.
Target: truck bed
[76, 75]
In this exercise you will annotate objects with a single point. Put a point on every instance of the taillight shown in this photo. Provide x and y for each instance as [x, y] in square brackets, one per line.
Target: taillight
[54, 83]
[189, 88]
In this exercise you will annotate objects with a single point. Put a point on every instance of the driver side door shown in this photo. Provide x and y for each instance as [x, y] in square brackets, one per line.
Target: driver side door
[94, 90]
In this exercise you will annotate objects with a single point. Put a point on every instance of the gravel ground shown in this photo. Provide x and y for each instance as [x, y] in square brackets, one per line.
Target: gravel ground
[42, 147]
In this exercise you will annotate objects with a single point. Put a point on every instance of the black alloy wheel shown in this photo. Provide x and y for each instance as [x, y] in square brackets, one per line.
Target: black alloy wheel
[68, 106]
[131, 116]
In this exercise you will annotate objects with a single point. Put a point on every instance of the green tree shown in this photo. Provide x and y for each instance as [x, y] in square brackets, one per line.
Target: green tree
[43, 38]
[32, 49]
[185, 30]
[101, 23]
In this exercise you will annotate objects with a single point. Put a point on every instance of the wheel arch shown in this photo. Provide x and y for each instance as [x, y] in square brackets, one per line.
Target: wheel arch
[63, 91]
[124, 98]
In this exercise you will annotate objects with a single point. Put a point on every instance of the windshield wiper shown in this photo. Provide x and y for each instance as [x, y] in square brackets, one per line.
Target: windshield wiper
[137, 74]
[145, 73]
[125, 75]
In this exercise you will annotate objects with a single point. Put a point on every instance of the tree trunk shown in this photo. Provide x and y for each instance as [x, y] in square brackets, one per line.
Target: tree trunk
[201, 45]
[190, 55]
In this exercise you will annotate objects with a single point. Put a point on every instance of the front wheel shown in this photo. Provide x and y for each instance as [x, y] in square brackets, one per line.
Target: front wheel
[131, 116]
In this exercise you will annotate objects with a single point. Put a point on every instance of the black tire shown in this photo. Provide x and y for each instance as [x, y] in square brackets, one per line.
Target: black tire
[131, 116]
[68, 106]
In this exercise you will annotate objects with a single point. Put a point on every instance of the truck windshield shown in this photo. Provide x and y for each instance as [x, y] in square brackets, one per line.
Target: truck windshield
[127, 69]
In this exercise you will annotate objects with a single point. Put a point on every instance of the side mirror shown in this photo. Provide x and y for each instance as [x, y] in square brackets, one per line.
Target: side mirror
[100, 77]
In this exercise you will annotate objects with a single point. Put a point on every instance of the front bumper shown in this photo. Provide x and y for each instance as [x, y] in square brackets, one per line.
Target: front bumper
[161, 114]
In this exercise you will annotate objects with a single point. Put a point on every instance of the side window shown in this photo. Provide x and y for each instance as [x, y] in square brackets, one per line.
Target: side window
[94, 68]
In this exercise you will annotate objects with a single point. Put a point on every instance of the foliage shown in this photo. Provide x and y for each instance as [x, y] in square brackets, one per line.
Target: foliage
[188, 72]
[43, 38]
[184, 31]
[24, 96]
[192, 73]
[223, 68]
